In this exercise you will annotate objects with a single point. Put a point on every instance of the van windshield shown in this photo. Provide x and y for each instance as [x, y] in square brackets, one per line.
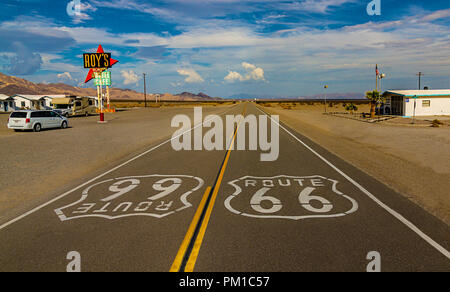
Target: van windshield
[61, 106]
[19, 115]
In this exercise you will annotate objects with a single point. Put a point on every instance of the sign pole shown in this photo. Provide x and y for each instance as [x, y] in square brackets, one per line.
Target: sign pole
[102, 114]
[107, 96]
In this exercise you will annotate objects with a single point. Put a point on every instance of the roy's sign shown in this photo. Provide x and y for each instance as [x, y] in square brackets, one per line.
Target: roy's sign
[97, 60]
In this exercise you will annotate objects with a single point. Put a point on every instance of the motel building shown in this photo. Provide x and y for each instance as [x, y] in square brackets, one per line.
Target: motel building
[34, 102]
[7, 103]
[425, 102]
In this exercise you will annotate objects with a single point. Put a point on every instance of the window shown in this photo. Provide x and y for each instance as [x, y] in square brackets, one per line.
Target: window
[78, 103]
[426, 103]
[22, 104]
[37, 114]
[20, 115]
[91, 102]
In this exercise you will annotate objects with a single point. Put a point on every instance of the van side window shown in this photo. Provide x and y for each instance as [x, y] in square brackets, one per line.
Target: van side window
[37, 114]
[78, 103]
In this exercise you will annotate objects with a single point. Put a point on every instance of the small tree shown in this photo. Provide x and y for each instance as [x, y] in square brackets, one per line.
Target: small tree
[374, 97]
[350, 107]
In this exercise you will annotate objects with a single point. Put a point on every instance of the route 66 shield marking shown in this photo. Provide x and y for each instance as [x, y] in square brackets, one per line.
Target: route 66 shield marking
[289, 197]
[150, 195]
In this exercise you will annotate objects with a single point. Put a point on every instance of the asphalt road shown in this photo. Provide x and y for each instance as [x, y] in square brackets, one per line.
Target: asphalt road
[206, 211]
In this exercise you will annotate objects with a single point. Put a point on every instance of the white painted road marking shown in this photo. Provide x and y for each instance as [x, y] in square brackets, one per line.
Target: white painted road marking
[302, 188]
[99, 176]
[138, 204]
[394, 213]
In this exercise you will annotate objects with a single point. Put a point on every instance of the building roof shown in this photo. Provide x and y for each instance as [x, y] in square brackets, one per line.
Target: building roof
[4, 97]
[30, 97]
[428, 93]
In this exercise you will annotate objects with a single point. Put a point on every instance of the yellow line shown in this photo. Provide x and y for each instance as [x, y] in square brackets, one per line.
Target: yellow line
[187, 239]
[198, 241]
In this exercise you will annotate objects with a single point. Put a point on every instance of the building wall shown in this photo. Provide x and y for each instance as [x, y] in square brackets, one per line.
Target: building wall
[18, 101]
[29, 104]
[438, 106]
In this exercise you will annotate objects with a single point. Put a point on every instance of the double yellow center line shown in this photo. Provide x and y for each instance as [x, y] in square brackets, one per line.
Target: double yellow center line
[190, 247]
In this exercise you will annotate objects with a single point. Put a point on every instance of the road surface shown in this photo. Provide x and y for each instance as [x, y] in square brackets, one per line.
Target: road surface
[209, 211]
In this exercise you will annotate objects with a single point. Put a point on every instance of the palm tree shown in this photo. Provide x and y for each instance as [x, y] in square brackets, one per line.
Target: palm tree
[374, 97]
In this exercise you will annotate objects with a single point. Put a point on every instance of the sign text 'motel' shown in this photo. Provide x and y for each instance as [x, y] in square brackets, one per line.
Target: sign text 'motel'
[97, 60]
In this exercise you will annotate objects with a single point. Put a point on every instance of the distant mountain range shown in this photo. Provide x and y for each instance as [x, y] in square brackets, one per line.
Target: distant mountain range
[350, 95]
[10, 85]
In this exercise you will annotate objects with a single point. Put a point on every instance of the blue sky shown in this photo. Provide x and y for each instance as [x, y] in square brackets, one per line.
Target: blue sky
[231, 47]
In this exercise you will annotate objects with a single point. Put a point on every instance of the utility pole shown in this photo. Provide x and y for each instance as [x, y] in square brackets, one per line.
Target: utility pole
[325, 97]
[145, 91]
[420, 79]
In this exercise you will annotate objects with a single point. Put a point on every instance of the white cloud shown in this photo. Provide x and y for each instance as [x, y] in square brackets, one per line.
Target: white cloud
[248, 66]
[232, 76]
[64, 75]
[253, 73]
[129, 77]
[192, 75]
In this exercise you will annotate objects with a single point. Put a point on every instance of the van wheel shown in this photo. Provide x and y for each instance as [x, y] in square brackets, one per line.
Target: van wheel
[64, 125]
[37, 128]
[86, 114]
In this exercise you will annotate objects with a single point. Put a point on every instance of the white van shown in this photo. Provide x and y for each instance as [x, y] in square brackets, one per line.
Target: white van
[36, 120]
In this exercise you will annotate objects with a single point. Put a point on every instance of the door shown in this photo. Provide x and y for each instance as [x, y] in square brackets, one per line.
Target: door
[55, 120]
[5, 106]
[49, 119]
[397, 105]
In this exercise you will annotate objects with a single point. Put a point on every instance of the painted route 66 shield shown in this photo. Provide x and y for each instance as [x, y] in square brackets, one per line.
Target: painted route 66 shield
[289, 197]
[152, 195]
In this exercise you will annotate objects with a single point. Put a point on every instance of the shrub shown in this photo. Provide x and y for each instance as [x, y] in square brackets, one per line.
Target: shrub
[436, 123]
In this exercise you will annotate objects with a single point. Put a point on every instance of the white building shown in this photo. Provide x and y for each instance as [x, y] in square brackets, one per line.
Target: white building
[419, 102]
[6, 103]
[34, 102]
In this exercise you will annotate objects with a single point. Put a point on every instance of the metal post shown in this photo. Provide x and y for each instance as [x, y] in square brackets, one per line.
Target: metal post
[414, 114]
[102, 113]
[145, 91]
[107, 97]
[325, 96]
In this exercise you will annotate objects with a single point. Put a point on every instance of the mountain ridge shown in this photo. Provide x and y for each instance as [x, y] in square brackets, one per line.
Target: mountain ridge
[10, 85]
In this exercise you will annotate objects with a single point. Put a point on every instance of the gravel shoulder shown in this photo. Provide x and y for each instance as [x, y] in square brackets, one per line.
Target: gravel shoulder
[414, 161]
